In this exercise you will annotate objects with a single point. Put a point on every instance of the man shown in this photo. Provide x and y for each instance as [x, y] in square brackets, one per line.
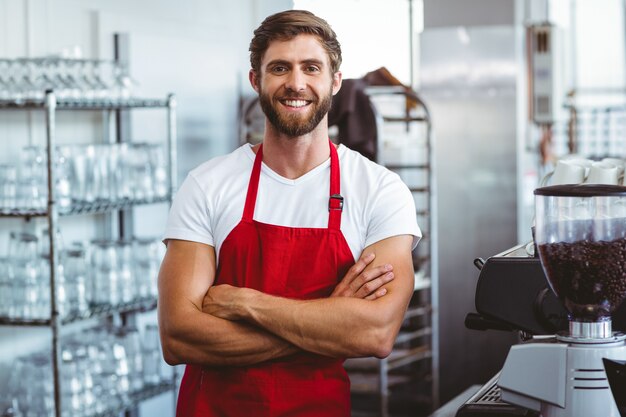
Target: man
[260, 294]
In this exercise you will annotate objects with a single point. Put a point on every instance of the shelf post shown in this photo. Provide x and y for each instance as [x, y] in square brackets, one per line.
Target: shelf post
[171, 143]
[53, 215]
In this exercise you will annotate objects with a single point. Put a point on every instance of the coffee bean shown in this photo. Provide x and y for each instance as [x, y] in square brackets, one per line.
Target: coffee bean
[588, 276]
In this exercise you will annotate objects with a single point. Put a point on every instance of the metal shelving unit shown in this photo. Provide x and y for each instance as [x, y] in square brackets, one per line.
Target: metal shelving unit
[50, 105]
[414, 362]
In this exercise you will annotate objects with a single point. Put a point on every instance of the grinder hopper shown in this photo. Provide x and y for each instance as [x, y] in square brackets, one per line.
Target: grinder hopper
[580, 233]
[581, 238]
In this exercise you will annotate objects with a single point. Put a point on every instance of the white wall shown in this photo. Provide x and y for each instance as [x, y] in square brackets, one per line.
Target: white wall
[197, 49]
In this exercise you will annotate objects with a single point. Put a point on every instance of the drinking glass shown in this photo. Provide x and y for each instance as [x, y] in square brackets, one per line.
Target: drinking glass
[63, 180]
[140, 172]
[36, 386]
[105, 272]
[122, 365]
[72, 390]
[158, 165]
[132, 344]
[8, 186]
[84, 181]
[33, 164]
[76, 280]
[127, 286]
[30, 196]
[31, 280]
[151, 355]
[6, 288]
[124, 182]
[147, 262]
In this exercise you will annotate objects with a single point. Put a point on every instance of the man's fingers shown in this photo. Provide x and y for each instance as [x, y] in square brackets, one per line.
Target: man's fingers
[361, 283]
[377, 294]
[373, 285]
[360, 265]
[370, 275]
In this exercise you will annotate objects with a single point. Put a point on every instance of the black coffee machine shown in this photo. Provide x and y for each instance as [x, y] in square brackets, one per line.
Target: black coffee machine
[512, 294]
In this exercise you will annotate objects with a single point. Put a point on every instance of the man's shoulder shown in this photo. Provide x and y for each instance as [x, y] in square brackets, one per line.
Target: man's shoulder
[355, 163]
[224, 165]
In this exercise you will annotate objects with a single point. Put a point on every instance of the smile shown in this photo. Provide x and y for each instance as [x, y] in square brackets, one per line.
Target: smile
[294, 103]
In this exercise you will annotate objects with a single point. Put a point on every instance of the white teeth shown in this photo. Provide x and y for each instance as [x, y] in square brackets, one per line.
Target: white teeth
[295, 103]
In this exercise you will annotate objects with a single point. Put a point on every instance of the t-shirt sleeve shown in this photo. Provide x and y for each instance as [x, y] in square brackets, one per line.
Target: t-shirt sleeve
[189, 217]
[392, 212]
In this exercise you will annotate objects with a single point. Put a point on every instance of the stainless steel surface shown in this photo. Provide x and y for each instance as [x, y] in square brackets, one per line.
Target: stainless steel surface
[585, 330]
[470, 88]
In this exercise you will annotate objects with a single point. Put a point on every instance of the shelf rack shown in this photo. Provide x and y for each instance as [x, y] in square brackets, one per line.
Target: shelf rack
[50, 105]
[417, 342]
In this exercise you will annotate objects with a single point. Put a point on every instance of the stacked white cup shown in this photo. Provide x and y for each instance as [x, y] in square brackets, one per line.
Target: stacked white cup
[573, 169]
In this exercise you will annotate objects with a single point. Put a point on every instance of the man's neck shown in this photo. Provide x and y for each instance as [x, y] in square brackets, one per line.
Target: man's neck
[292, 157]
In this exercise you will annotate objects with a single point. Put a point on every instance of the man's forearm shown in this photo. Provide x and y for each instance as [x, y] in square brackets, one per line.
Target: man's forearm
[206, 340]
[338, 327]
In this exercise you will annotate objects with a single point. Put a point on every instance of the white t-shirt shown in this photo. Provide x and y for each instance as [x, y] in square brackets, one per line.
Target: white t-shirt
[210, 202]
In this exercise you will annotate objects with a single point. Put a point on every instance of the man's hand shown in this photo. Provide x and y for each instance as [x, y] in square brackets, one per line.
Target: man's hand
[321, 326]
[367, 285]
[224, 301]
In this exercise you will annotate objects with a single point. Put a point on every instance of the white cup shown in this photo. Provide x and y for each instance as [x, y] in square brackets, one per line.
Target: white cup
[583, 162]
[603, 173]
[619, 163]
[565, 172]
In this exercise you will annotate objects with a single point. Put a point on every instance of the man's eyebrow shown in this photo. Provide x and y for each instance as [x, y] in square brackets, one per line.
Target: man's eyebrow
[288, 64]
[313, 61]
[278, 62]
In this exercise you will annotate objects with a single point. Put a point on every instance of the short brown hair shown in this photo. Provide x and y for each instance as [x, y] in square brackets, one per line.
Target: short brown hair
[289, 24]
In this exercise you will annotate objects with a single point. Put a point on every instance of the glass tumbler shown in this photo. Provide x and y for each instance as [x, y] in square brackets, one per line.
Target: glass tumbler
[76, 280]
[151, 355]
[126, 281]
[8, 187]
[105, 286]
[147, 262]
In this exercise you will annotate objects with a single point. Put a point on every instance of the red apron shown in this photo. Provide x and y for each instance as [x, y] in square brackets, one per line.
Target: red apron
[298, 263]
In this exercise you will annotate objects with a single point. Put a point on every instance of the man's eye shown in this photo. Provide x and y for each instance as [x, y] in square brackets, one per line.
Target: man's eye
[279, 69]
[312, 68]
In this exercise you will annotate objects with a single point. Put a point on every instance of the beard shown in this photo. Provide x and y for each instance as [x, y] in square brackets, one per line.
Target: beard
[294, 125]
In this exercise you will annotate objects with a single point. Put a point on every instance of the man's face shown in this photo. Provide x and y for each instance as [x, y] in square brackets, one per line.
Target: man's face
[296, 85]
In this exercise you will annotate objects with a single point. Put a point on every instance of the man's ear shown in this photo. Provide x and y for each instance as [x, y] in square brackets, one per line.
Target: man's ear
[254, 80]
[337, 77]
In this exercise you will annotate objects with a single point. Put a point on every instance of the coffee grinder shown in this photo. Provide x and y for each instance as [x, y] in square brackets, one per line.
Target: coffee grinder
[580, 234]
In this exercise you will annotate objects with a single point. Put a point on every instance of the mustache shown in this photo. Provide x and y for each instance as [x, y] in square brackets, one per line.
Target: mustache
[296, 96]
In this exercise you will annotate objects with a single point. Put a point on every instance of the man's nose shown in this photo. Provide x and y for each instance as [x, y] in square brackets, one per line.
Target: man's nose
[296, 81]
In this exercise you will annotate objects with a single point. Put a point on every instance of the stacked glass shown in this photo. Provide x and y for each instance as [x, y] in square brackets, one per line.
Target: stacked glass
[26, 80]
[99, 372]
[85, 174]
[106, 272]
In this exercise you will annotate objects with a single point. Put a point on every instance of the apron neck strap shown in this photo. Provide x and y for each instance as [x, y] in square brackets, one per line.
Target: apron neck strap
[253, 186]
[335, 202]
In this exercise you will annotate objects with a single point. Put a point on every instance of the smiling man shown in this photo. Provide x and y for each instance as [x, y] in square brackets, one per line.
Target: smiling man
[287, 257]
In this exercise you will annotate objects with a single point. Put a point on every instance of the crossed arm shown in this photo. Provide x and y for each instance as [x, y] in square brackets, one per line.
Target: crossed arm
[243, 326]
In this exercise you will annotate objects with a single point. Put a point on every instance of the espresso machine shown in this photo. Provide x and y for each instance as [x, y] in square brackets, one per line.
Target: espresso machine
[562, 292]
